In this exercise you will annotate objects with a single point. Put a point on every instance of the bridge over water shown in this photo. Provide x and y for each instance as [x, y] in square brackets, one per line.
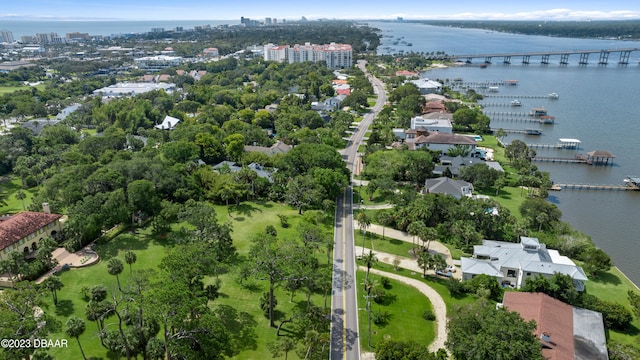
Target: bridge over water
[603, 56]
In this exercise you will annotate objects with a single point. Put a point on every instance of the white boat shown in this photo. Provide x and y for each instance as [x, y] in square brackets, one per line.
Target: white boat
[553, 96]
[516, 102]
[493, 88]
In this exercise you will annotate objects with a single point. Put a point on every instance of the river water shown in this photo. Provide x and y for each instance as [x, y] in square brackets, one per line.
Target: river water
[598, 105]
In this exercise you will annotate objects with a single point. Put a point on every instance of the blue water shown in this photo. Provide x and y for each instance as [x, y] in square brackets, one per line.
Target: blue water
[597, 104]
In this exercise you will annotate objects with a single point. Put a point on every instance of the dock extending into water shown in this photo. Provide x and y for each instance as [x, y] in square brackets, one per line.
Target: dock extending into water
[558, 187]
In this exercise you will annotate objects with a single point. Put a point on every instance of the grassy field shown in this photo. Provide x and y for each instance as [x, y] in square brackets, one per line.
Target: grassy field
[10, 204]
[613, 286]
[406, 306]
[149, 251]
[388, 245]
[10, 89]
[246, 220]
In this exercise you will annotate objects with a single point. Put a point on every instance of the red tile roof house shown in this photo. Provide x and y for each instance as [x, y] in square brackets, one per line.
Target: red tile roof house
[565, 332]
[24, 231]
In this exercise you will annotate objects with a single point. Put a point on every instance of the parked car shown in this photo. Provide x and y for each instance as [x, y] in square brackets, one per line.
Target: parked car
[450, 268]
[444, 273]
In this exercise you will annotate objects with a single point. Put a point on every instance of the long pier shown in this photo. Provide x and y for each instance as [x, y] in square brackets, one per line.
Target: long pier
[558, 187]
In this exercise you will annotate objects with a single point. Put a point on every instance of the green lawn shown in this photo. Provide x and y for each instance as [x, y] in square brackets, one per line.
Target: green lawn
[437, 283]
[149, 251]
[406, 308]
[10, 204]
[510, 198]
[388, 245]
[246, 220]
[613, 286]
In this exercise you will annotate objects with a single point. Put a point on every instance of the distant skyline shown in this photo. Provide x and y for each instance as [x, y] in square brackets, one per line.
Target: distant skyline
[330, 9]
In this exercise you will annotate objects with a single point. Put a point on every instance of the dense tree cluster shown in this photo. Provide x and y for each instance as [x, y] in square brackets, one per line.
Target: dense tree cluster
[620, 29]
[482, 331]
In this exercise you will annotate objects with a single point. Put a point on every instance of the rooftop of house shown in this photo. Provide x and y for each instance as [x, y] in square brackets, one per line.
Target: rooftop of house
[168, 123]
[529, 255]
[444, 185]
[22, 224]
[444, 138]
[565, 332]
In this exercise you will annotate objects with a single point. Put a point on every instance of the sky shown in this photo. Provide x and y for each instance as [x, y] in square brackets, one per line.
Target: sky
[549, 10]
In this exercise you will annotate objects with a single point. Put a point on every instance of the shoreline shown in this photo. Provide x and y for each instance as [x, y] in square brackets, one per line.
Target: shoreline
[439, 66]
[626, 277]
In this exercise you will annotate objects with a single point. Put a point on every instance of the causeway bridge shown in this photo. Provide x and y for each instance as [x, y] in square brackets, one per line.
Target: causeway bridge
[525, 57]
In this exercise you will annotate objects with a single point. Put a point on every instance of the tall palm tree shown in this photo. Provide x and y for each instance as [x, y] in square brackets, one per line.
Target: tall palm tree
[130, 258]
[75, 328]
[427, 235]
[115, 267]
[385, 218]
[364, 222]
[20, 195]
[370, 259]
[53, 284]
[424, 261]
[414, 229]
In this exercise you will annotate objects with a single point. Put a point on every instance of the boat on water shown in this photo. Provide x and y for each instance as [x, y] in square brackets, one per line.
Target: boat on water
[633, 182]
[553, 96]
[516, 102]
[493, 88]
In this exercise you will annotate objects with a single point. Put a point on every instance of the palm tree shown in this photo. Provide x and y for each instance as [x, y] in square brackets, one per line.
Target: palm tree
[130, 258]
[115, 267]
[53, 284]
[364, 222]
[427, 235]
[20, 195]
[414, 229]
[370, 259]
[385, 218]
[424, 261]
[75, 328]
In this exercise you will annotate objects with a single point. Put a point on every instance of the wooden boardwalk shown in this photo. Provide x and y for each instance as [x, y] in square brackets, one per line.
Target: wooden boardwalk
[558, 187]
[575, 160]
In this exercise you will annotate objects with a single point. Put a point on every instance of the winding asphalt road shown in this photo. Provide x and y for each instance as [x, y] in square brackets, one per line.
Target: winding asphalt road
[345, 342]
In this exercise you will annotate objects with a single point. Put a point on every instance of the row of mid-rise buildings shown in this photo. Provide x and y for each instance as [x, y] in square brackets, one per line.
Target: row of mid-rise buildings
[335, 55]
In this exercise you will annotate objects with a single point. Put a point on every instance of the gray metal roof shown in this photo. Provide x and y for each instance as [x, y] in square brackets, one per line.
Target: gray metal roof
[589, 340]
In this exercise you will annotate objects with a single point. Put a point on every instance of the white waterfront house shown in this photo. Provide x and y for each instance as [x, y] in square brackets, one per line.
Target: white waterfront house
[513, 263]
[427, 86]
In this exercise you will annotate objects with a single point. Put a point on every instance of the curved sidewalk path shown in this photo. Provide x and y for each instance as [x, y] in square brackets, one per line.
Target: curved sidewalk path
[434, 246]
[439, 307]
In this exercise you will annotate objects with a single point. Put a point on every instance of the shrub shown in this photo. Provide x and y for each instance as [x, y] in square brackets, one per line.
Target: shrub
[455, 287]
[284, 220]
[429, 315]
[386, 283]
[380, 317]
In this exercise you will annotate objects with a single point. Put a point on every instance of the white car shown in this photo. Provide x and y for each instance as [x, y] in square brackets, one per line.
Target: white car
[450, 268]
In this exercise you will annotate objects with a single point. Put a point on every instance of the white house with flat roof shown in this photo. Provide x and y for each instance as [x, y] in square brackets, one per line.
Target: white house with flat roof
[442, 126]
[158, 62]
[514, 263]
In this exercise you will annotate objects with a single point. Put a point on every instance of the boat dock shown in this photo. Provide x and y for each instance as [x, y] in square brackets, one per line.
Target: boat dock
[559, 187]
[564, 143]
[596, 157]
[548, 96]
[631, 183]
[520, 131]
